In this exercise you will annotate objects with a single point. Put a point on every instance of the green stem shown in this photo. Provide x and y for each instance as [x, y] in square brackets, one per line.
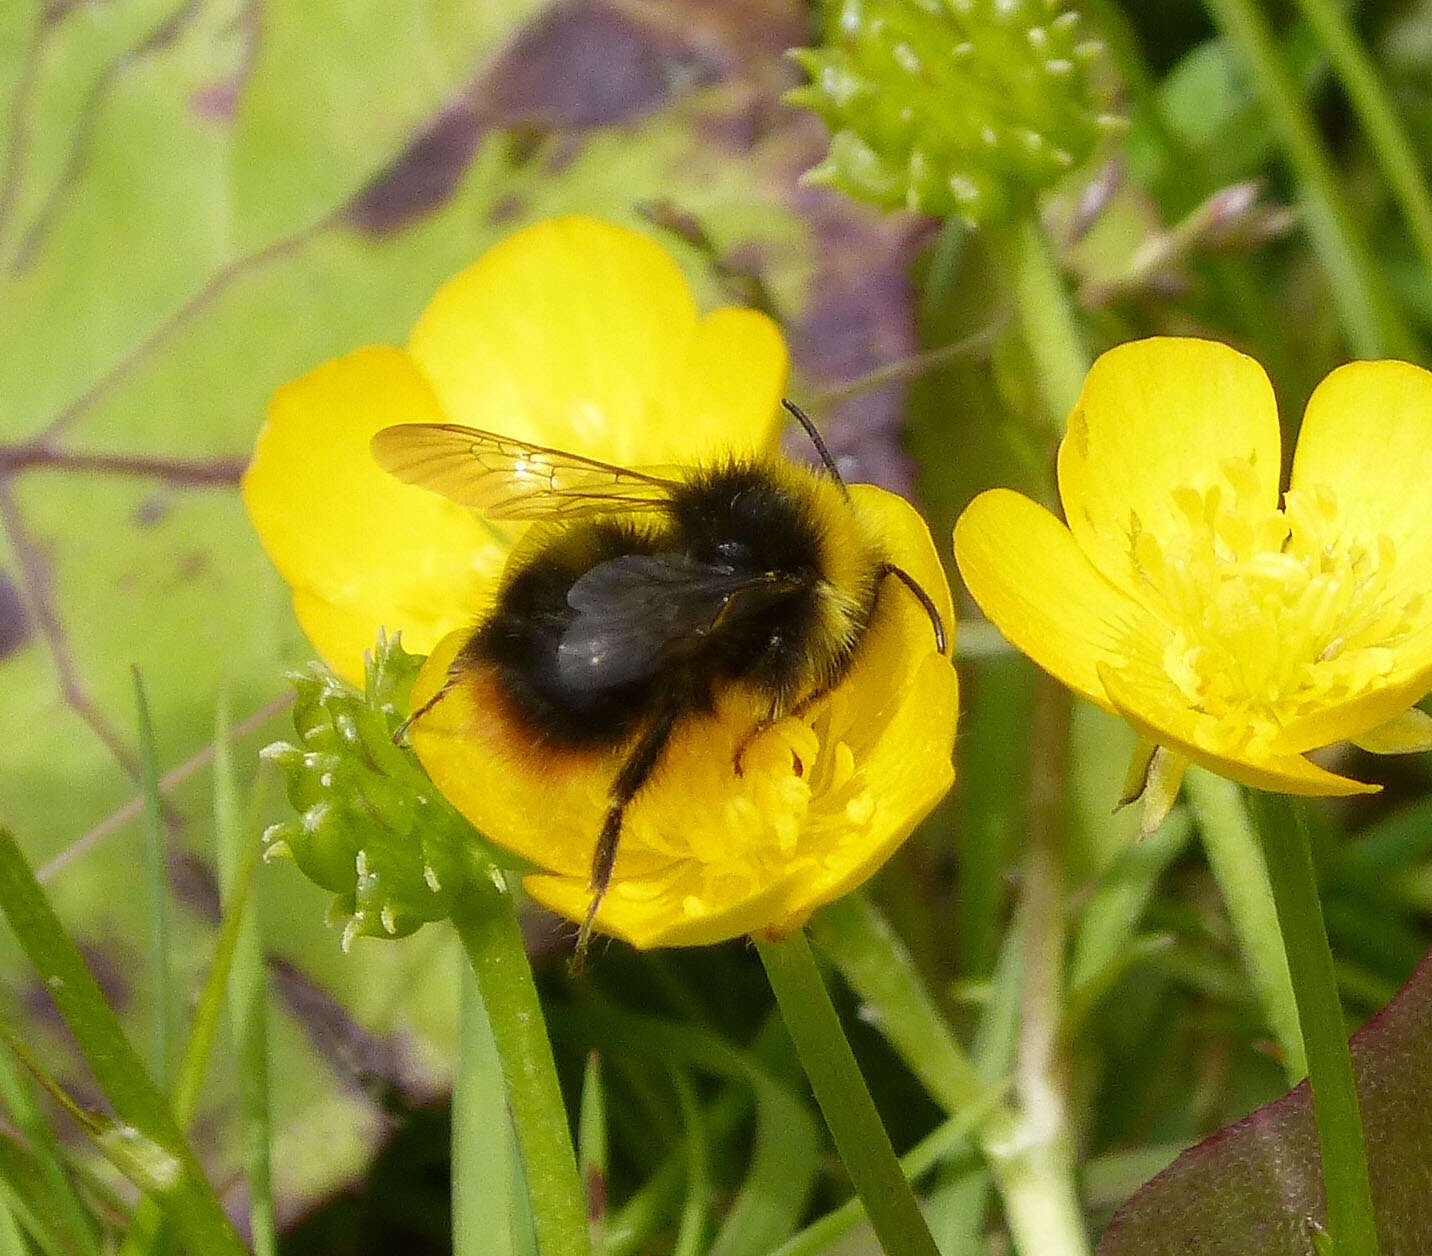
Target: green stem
[482, 1176]
[1284, 831]
[486, 921]
[235, 836]
[1045, 314]
[1031, 1154]
[1365, 306]
[1231, 844]
[849, 1111]
[1035, 1178]
[1386, 135]
[952, 1136]
[854, 935]
[1030, 1151]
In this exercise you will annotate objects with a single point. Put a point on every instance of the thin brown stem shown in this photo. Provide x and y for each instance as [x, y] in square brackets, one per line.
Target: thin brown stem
[41, 455]
[36, 581]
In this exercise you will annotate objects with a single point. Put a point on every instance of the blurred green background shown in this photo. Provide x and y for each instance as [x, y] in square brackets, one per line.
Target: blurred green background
[201, 200]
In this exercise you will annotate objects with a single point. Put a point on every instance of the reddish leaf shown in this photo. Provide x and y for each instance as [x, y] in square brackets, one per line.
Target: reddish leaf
[1254, 1189]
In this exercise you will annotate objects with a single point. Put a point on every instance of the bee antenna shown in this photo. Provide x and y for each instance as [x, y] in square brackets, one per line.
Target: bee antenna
[821, 448]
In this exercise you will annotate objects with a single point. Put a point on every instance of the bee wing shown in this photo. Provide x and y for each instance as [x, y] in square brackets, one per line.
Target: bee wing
[639, 613]
[507, 478]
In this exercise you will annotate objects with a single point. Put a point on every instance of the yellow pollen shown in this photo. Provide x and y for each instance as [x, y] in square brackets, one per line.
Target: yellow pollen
[1269, 614]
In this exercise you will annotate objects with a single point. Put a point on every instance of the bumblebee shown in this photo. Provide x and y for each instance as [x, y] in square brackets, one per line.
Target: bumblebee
[638, 597]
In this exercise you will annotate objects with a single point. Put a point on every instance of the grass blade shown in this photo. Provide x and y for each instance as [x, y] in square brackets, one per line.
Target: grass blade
[238, 854]
[60, 1191]
[784, 1166]
[156, 877]
[10, 1240]
[695, 1211]
[188, 1198]
[238, 866]
[24, 1193]
[592, 1147]
[483, 1173]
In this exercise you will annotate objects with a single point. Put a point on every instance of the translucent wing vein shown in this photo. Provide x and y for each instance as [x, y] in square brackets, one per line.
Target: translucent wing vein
[507, 478]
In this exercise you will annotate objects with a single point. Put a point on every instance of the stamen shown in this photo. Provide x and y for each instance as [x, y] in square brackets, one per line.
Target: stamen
[1269, 613]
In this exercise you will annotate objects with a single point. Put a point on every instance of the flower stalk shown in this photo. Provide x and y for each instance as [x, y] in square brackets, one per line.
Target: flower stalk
[1230, 842]
[1283, 827]
[486, 922]
[844, 1100]
[1036, 1168]
[1030, 1151]
[1044, 313]
[1034, 1175]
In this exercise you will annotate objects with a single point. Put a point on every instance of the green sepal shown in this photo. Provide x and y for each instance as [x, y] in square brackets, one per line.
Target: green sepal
[369, 826]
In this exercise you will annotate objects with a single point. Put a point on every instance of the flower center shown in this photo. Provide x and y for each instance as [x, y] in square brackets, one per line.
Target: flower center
[1271, 614]
[714, 836]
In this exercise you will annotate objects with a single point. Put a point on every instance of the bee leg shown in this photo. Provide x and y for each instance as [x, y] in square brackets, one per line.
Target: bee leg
[775, 716]
[926, 603]
[400, 734]
[635, 772]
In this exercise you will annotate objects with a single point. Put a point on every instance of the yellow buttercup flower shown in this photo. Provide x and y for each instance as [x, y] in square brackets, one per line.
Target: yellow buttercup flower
[583, 336]
[1232, 628]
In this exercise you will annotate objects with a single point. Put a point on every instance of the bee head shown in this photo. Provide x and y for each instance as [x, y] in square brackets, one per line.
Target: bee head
[746, 518]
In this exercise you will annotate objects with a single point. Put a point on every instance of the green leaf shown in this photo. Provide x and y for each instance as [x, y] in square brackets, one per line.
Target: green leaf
[592, 1162]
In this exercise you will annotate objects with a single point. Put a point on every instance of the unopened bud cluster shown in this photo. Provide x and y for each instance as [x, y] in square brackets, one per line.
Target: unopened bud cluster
[370, 827]
[952, 107]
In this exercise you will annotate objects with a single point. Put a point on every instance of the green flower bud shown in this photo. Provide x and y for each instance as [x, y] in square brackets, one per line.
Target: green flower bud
[370, 828]
[952, 107]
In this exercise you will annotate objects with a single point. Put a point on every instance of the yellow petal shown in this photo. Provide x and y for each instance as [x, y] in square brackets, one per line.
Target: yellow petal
[648, 915]
[1155, 416]
[583, 335]
[905, 538]
[1172, 726]
[1367, 435]
[361, 550]
[1034, 583]
[727, 395]
[904, 773]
